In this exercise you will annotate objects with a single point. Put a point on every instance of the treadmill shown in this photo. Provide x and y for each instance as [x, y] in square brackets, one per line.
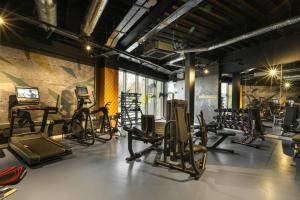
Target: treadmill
[34, 147]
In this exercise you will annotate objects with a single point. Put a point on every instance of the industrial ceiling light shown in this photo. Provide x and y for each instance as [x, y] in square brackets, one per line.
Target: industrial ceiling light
[205, 71]
[88, 47]
[2, 21]
[287, 85]
[273, 72]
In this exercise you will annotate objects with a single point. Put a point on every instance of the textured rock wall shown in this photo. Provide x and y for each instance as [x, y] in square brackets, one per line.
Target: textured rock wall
[51, 75]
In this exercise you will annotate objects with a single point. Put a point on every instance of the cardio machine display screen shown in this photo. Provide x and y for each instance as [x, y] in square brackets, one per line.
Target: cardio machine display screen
[82, 91]
[28, 93]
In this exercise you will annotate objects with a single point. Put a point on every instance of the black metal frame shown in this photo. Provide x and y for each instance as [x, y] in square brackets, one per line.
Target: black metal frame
[222, 138]
[105, 124]
[139, 135]
[175, 149]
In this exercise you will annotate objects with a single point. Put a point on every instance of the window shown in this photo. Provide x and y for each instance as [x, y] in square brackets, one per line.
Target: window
[142, 91]
[152, 97]
[130, 82]
[159, 99]
[226, 95]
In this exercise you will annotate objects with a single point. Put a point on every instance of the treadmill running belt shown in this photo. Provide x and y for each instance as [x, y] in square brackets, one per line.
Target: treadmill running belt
[42, 147]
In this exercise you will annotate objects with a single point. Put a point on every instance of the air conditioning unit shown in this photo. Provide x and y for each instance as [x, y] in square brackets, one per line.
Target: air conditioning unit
[158, 50]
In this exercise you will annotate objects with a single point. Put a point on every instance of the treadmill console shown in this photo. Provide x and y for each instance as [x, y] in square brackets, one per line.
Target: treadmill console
[82, 93]
[27, 95]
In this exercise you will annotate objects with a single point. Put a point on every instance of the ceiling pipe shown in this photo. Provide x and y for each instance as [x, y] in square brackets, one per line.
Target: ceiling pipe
[292, 78]
[46, 10]
[175, 60]
[139, 8]
[79, 39]
[93, 15]
[166, 22]
[245, 36]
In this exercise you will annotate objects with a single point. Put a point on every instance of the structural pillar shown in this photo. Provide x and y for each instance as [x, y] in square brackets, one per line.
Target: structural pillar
[106, 86]
[100, 63]
[219, 88]
[190, 76]
[236, 83]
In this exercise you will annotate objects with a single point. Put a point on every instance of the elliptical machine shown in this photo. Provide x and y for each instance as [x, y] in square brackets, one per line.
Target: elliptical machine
[81, 125]
[106, 131]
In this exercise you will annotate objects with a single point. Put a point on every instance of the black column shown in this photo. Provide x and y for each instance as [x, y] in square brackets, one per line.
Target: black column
[219, 87]
[236, 83]
[190, 76]
[99, 63]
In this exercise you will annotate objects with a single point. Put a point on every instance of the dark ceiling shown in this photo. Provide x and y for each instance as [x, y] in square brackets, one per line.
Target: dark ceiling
[210, 22]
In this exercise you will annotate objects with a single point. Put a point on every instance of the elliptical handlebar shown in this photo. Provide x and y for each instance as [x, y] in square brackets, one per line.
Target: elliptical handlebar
[94, 98]
[107, 104]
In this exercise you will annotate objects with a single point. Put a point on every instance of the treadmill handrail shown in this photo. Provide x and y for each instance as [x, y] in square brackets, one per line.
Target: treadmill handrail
[16, 109]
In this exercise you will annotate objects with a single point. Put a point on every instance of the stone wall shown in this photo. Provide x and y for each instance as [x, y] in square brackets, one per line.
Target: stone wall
[51, 75]
[268, 91]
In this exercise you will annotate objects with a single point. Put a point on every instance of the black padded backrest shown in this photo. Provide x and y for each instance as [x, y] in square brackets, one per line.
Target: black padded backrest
[181, 124]
[172, 105]
[290, 117]
[254, 114]
[203, 129]
[148, 124]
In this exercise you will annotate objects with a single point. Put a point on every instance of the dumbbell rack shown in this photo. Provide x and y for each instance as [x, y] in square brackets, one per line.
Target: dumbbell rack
[130, 108]
[237, 120]
[243, 120]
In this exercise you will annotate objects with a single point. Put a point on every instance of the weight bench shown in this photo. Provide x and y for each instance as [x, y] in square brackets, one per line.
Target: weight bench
[148, 134]
[222, 134]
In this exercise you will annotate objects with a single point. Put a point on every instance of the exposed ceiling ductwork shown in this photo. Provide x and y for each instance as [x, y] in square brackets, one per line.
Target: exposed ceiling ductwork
[93, 15]
[292, 78]
[139, 8]
[166, 22]
[78, 38]
[46, 10]
[251, 34]
[175, 60]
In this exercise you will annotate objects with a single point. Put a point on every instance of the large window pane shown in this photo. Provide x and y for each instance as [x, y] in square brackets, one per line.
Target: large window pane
[159, 100]
[226, 95]
[130, 82]
[229, 96]
[152, 99]
[151, 96]
[142, 91]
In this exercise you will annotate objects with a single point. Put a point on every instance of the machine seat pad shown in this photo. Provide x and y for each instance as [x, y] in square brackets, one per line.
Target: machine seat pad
[296, 138]
[198, 148]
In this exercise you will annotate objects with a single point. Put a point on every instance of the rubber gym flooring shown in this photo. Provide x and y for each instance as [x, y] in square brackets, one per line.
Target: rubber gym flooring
[101, 172]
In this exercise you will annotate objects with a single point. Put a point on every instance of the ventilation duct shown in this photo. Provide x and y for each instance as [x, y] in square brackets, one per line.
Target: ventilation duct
[251, 34]
[46, 10]
[180, 58]
[166, 22]
[93, 15]
[292, 78]
[78, 38]
[134, 14]
[158, 50]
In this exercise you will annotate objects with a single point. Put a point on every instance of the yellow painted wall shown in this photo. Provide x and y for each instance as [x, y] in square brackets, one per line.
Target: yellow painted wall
[241, 96]
[108, 88]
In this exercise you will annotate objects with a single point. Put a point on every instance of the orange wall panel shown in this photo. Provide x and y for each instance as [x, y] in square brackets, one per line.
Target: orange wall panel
[109, 88]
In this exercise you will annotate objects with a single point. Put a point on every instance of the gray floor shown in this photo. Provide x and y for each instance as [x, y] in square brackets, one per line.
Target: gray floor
[101, 172]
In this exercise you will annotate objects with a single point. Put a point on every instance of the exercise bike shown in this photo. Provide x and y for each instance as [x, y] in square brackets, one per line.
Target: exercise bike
[81, 124]
[104, 123]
